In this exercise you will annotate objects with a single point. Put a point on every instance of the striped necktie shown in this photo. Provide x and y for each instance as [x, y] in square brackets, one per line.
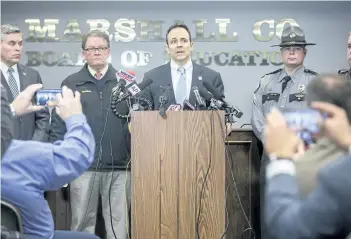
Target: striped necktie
[12, 83]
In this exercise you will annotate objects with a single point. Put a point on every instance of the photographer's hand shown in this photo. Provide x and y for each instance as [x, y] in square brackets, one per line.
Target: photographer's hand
[336, 126]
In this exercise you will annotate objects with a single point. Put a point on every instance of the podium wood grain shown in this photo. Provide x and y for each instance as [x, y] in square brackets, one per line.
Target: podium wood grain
[170, 158]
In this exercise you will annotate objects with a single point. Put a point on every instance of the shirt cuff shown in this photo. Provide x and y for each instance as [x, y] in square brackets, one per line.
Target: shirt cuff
[75, 119]
[280, 166]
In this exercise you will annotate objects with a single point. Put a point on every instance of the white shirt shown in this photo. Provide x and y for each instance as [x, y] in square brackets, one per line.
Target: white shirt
[188, 76]
[5, 72]
[103, 71]
[280, 166]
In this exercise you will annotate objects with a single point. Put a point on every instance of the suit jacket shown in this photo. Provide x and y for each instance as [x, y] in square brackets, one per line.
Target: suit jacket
[307, 166]
[33, 126]
[162, 76]
[6, 122]
[326, 211]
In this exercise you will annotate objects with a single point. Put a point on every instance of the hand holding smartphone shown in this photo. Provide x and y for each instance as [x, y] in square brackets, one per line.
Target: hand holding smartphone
[305, 122]
[47, 97]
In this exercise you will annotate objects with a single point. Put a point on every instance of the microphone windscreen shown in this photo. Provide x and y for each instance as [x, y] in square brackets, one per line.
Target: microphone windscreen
[215, 92]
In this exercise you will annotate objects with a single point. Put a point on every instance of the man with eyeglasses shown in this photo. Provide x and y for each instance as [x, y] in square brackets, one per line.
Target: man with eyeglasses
[107, 176]
[283, 88]
[347, 73]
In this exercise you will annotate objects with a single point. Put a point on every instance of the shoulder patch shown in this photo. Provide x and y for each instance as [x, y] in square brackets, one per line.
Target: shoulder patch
[273, 72]
[310, 72]
[343, 72]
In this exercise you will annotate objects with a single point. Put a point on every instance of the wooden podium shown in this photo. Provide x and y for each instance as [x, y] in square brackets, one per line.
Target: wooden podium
[165, 187]
[170, 159]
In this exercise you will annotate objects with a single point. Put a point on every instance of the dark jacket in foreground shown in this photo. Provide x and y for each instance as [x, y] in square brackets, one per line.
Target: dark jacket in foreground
[324, 213]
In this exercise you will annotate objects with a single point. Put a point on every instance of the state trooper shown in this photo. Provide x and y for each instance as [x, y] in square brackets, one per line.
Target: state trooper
[347, 73]
[283, 89]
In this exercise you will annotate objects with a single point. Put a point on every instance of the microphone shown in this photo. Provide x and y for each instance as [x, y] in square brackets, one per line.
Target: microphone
[219, 101]
[201, 105]
[128, 76]
[163, 100]
[116, 91]
[187, 105]
[216, 93]
[214, 104]
[135, 89]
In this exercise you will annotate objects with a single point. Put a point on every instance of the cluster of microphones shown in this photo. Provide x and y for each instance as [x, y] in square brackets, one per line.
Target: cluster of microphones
[207, 97]
[127, 89]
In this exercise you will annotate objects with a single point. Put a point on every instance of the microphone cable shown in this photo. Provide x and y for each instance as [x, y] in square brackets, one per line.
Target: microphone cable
[98, 163]
[133, 100]
[125, 134]
[229, 159]
[205, 178]
[112, 169]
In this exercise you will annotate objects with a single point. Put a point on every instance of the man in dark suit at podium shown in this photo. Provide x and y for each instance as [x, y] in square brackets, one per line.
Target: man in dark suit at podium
[181, 74]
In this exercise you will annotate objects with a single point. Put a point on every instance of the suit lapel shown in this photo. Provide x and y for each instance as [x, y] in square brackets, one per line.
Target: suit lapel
[4, 83]
[23, 78]
[196, 81]
[166, 79]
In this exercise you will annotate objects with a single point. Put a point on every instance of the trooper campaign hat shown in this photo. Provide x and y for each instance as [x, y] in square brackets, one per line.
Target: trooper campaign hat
[293, 36]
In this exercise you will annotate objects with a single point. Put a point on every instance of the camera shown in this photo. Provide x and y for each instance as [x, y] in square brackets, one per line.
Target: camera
[305, 122]
[47, 97]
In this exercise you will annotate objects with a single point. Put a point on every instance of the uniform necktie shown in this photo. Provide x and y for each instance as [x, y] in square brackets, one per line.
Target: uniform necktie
[181, 87]
[98, 75]
[286, 79]
[12, 83]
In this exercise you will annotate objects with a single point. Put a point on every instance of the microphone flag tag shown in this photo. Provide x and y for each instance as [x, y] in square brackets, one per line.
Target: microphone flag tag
[134, 89]
[174, 108]
[126, 76]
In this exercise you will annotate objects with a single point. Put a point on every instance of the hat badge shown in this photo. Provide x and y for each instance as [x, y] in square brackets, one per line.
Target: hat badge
[292, 35]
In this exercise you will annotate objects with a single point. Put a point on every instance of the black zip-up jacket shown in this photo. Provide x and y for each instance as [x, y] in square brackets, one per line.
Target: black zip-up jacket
[111, 133]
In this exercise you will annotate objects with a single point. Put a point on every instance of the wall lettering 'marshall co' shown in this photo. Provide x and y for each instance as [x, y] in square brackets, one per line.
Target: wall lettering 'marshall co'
[127, 30]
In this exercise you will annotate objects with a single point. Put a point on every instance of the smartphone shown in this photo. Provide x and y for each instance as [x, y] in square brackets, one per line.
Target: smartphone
[305, 122]
[47, 97]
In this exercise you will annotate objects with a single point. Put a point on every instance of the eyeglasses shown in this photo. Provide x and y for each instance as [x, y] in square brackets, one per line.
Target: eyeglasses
[93, 49]
[292, 49]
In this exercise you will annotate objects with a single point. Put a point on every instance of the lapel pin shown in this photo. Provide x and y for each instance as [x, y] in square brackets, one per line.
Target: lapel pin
[200, 78]
[24, 73]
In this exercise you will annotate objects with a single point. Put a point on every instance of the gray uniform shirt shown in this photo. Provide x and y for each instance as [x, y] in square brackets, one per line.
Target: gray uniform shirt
[269, 94]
